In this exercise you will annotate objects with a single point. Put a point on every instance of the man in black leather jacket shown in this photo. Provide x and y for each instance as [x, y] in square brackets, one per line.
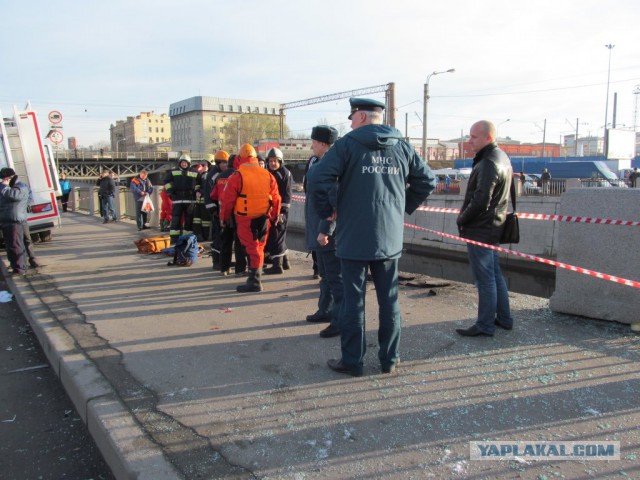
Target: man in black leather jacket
[481, 219]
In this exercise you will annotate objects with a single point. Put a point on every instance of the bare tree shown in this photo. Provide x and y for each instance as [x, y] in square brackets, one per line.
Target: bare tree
[251, 128]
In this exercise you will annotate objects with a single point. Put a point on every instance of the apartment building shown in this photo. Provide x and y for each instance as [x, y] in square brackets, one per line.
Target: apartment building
[143, 131]
[202, 124]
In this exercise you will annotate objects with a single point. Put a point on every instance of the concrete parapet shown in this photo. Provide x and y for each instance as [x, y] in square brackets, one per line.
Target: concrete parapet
[607, 249]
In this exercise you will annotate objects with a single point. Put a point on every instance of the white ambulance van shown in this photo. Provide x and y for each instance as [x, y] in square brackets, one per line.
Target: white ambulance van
[23, 149]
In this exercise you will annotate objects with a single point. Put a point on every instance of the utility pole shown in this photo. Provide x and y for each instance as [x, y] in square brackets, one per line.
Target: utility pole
[606, 109]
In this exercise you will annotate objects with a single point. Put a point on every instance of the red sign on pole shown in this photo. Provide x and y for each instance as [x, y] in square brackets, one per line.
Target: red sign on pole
[55, 117]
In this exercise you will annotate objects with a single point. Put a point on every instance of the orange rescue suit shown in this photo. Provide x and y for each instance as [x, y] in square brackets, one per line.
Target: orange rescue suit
[254, 200]
[251, 194]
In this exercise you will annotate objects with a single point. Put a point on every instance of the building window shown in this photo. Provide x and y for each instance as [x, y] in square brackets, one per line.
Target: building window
[221, 108]
[273, 111]
[230, 109]
[266, 110]
[239, 109]
[150, 129]
[213, 118]
[214, 129]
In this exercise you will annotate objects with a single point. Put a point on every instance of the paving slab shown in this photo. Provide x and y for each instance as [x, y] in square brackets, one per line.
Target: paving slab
[217, 384]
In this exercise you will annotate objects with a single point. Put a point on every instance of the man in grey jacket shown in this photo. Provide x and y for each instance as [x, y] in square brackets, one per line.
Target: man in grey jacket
[14, 198]
[481, 218]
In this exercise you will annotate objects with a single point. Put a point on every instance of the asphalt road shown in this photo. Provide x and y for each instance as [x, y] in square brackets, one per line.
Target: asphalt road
[41, 434]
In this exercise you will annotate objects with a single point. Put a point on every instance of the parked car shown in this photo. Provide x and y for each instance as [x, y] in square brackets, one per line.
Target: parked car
[530, 185]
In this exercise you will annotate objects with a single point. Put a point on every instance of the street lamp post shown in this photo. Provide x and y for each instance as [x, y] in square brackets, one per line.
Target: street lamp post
[498, 127]
[606, 108]
[424, 116]
[118, 144]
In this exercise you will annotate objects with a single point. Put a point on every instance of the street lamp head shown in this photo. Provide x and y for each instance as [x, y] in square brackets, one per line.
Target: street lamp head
[451, 70]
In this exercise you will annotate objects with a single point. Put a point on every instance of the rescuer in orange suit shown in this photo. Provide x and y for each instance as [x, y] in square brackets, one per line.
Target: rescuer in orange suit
[252, 195]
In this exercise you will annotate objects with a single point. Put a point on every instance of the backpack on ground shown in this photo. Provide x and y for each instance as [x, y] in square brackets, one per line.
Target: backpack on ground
[186, 251]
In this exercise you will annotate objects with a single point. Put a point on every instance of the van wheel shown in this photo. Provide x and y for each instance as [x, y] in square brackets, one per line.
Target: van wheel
[45, 236]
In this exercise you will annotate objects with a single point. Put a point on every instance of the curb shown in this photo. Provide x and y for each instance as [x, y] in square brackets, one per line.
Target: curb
[124, 445]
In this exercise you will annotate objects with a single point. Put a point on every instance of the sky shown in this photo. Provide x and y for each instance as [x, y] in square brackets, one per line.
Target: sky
[516, 63]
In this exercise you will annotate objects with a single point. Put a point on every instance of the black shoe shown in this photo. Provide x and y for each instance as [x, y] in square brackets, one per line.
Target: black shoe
[329, 332]
[34, 264]
[275, 270]
[105, 221]
[316, 276]
[504, 327]
[337, 366]
[318, 318]
[18, 272]
[472, 331]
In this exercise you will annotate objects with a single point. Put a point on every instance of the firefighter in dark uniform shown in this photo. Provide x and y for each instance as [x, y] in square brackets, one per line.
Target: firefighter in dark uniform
[201, 216]
[228, 237]
[221, 158]
[183, 185]
[252, 195]
[276, 243]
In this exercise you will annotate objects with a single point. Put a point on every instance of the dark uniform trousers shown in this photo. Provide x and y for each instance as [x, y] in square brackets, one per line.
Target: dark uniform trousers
[230, 244]
[13, 234]
[277, 241]
[182, 211]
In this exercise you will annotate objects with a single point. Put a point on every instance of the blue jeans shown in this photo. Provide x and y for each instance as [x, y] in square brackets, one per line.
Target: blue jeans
[353, 341]
[332, 292]
[141, 217]
[493, 296]
[106, 205]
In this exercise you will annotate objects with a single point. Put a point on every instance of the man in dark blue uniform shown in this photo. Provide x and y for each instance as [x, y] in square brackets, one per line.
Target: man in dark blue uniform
[380, 176]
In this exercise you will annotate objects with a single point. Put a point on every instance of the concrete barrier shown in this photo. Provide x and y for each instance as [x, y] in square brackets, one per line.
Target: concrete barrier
[604, 248]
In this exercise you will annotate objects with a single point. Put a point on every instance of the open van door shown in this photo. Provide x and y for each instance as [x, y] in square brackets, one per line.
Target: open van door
[33, 161]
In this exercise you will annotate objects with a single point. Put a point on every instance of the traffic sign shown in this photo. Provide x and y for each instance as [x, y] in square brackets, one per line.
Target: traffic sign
[56, 136]
[55, 117]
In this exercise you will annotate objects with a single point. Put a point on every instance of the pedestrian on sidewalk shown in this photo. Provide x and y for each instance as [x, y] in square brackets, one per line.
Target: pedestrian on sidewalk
[141, 187]
[65, 188]
[481, 218]
[320, 238]
[106, 194]
[14, 199]
[380, 177]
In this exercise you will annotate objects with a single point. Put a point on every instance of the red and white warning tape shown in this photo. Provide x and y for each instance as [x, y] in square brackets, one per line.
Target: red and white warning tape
[541, 216]
[585, 271]
[532, 216]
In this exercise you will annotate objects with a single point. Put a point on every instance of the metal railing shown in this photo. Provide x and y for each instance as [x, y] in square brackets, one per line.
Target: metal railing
[604, 182]
[451, 187]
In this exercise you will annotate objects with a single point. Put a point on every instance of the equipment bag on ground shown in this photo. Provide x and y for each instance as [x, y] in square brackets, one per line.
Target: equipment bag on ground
[152, 244]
